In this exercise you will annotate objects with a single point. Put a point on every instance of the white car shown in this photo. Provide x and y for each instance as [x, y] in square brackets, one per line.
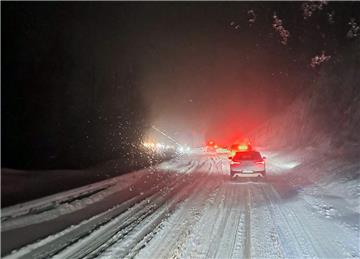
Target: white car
[247, 164]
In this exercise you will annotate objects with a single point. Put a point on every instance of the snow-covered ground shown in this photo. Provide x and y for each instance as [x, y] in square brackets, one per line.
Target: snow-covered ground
[188, 208]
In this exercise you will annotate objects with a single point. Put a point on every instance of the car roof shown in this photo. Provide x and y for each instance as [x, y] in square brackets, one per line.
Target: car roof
[253, 154]
[247, 151]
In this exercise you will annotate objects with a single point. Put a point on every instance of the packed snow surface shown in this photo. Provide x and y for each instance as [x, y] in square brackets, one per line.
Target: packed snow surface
[189, 208]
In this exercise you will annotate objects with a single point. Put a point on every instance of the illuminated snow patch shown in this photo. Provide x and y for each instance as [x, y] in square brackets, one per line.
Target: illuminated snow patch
[290, 165]
[280, 163]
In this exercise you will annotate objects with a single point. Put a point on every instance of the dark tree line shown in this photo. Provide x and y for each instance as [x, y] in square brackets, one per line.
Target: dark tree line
[70, 99]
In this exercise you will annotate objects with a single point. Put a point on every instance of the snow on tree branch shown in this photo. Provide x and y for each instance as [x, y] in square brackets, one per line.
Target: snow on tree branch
[331, 17]
[310, 7]
[278, 26]
[354, 29]
[252, 16]
[318, 59]
[235, 25]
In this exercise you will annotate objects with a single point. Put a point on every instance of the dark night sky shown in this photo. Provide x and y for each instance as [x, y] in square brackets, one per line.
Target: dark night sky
[82, 82]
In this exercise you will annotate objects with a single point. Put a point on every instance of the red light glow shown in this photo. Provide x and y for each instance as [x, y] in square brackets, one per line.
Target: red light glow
[243, 147]
[211, 143]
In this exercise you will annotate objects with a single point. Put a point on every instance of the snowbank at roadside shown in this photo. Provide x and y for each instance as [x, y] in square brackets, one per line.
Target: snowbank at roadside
[316, 141]
[56, 205]
[319, 174]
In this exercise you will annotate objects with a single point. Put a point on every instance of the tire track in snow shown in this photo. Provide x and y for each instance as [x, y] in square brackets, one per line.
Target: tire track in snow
[318, 231]
[220, 231]
[232, 237]
[263, 230]
[221, 224]
[144, 231]
[196, 245]
[173, 234]
[247, 240]
[293, 245]
[127, 247]
[52, 245]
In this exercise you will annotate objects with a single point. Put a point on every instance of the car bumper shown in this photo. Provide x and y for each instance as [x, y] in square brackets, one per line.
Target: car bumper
[247, 174]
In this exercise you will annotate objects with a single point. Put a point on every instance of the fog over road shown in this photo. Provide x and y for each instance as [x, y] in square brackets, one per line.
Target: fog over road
[185, 208]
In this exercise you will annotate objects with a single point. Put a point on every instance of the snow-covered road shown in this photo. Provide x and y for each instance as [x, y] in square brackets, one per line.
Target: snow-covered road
[187, 208]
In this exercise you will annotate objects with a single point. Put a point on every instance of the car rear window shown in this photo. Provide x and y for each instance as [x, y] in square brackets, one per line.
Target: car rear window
[247, 156]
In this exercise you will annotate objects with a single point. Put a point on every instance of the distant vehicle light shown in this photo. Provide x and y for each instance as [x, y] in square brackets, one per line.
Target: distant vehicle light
[211, 143]
[243, 147]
